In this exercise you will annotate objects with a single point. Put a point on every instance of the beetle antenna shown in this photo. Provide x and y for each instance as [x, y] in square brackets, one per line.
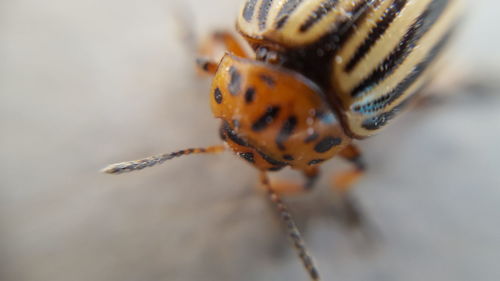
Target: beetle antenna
[293, 231]
[129, 166]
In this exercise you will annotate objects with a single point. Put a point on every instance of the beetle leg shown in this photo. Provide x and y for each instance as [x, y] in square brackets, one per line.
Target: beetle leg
[225, 40]
[343, 182]
[286, 187]
[215, 46]
[311, 174]
[206, 65]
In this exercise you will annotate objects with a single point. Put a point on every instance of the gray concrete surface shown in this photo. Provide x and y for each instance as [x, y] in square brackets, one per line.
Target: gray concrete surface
[87, 83]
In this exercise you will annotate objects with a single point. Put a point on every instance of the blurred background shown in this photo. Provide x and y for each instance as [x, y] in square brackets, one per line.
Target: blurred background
[88, 83]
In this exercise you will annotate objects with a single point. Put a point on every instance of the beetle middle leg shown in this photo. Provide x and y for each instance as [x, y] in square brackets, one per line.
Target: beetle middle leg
[343, 182]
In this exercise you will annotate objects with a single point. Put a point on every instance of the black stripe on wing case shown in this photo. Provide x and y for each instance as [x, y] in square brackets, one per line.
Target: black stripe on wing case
[408, 81]
[377, 122]
[265, 6]
[324, 8]
[377, 31]
[416, 31]
[249, 10]
[286, 11]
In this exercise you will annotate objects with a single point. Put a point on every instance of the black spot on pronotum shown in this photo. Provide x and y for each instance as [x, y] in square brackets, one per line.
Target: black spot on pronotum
[326, 144]
[232, 135]
[285, 132]
[312, 137]
[218, 96]
[266, 118]
[248, 156]
[235, 81]
[288, 157]
[271, 160]
[274, 169]
[315, 161]
[249, 95]
[268, 80]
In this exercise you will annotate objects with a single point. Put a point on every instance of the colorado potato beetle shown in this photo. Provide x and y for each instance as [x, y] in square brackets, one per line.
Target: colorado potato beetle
[320, 74]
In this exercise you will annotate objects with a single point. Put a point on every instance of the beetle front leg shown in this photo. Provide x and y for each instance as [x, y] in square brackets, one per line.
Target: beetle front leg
[287, 187]
[214, 46]
[206, 65]
[225, 40]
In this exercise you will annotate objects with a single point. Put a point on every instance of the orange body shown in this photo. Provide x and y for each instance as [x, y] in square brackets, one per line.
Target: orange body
[274, 117]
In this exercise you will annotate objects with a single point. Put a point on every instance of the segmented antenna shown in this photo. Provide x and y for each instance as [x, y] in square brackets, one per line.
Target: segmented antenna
[129, 166]
[293, 231]
[285, 215]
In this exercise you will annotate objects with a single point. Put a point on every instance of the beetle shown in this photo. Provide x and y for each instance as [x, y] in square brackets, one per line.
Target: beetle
[320, 74]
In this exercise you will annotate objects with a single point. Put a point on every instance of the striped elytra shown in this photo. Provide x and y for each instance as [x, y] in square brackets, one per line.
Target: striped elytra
[369, 56]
